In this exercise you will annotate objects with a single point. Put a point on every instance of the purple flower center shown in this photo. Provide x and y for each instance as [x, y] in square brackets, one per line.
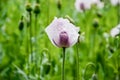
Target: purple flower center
[64, 42]
[82, 6]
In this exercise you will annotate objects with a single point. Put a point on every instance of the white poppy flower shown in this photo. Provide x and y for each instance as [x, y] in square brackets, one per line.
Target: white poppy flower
[82, 5]
[62, 33]
[115, 2]
[115, 31]
[98, 3]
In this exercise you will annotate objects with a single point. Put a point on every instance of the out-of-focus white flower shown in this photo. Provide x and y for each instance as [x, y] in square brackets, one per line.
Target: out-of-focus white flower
[82, 5]
[100, 5]
[115, 31]
[62, 33]
[115, 2]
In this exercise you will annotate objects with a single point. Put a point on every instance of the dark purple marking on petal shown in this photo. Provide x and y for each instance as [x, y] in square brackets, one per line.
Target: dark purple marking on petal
[64, 40]
[55, 43]
[82, 6]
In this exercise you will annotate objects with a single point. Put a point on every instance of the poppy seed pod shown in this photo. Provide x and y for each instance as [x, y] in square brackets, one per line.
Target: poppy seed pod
[59, 4]
[95, 23]
[21, 24]
[46, 68]
[111, 49]
[99, 14]
[37, 1]
[62, 33]
[37, 9]
[28, 7]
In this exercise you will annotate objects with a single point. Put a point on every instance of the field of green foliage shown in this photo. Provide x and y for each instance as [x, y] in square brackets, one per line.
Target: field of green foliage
[26, 53]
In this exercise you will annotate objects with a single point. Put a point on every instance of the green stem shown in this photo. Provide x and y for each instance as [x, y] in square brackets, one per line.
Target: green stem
[118, 12]
[30, 15]
[118, 67]
[35, 44]
[30, 32]
[36, 28]
[77, 61]
[48, 12]
[63, 69]
[118, 58]
[59, 8]
[28, 56]
[118, 39]
[27, 47]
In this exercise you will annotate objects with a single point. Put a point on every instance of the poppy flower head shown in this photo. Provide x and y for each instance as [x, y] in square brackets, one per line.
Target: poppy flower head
[62, 33]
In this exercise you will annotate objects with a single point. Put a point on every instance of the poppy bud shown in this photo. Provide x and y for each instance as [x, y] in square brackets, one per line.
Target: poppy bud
[95, 23]
[37, 9]
[119, 67]
[111, 49]
[46, 68]
[53, 63]
[37, 1]
[59, 4]
[21, 24]
[99, 14]
[28, 7]
[94, 77]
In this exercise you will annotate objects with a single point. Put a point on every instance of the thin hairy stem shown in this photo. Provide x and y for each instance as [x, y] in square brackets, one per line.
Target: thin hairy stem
[118, 39]
[63, 69]
[35, 44]
[30, 15]
[77, 62]
[27, 47]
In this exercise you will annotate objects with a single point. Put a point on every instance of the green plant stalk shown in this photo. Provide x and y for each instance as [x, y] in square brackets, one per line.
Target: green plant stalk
[77, 61]
[28, 54]
[63, 67]
[48, 8]
[31, 49]
[118, 12]
[118, 40]
[94, 45]
[118, 58]
[35, 30]
[119, 66]
[30, 32]
[59, 11]
[27, 49]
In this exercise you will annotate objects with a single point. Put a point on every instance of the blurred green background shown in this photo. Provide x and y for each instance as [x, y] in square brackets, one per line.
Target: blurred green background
[96, 45]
